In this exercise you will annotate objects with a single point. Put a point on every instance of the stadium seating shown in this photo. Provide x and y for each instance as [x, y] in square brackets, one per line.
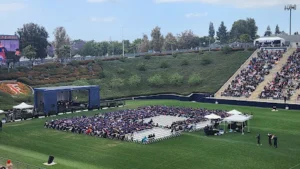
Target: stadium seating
[250, 77]
[286, 81]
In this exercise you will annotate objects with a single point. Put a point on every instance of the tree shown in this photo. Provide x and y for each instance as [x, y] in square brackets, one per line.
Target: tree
[244, 38]
[252, 28]
[36, 36]
[144, 47]
[204, 41]
[243, 27]
[170, 42]
[61, 42]
[211, 31]
[136, 44]
[186, 40]
[268, 31]
[277, 30]
[63, 51]
[76, 46]
[157, 39]
[30, 53]
[222, 33]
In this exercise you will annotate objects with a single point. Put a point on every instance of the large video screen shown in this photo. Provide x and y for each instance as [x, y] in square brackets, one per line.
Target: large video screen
[10, 45]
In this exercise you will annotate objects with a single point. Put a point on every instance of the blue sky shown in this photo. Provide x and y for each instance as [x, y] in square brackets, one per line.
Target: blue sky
[103, 19]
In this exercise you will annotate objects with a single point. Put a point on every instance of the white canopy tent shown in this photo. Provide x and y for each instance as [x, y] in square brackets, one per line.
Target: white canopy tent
[240, 119]
[212, 116]
[234, 112]
[1, 111]
[23, 106]
[269, 40]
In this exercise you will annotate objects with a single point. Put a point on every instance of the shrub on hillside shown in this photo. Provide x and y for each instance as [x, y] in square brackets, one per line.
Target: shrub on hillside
[194, 80]
[25, 80]
[226, 49]
[74, 63]
[116, 82]
[156, 80]
[164, 65]
[80, 83]
[176, 79]
[134, 80]
[120, 71]
[23, 69]
[184, 62]
[175, 55]
[122, 59]
[206, 61]
[141, 67]
[23, 98]
[148, 57]
[94, 82]
[99, 62]
[102, 74]
[251, 49]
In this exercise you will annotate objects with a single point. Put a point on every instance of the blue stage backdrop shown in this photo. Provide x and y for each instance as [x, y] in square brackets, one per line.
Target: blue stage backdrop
[49, 96]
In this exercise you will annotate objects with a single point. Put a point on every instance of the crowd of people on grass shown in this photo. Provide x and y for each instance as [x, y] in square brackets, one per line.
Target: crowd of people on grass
[286, 81]
[250, 77]
[123, 124]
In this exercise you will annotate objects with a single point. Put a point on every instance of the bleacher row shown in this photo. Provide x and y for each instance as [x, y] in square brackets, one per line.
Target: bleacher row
[250, 77]
[286, 82]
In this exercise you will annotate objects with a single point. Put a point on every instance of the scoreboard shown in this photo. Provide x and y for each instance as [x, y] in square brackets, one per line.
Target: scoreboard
[9, 42]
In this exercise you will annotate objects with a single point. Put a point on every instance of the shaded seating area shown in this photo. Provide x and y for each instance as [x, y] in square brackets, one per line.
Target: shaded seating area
[237, 123]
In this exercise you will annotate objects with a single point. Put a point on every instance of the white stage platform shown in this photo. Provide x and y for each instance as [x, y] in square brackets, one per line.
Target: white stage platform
[163, 120]
[159, 133]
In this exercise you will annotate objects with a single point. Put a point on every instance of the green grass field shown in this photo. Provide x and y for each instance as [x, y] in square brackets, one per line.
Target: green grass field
[29, 142]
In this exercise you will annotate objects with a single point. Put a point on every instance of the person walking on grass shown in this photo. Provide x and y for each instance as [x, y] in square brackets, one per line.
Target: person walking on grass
[270, 139]
[275, 140]
[258, 140]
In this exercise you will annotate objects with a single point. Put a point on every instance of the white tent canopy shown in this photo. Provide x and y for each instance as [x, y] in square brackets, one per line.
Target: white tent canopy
[240, 119]
[269, 40]
[237, 118]
[212, 116]
[23, 106]
[234, 112]
[1, 111]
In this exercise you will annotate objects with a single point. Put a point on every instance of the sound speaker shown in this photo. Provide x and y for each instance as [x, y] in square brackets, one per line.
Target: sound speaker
[50, 159]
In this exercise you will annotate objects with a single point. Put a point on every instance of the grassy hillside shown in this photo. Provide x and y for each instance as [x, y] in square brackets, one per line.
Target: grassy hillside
[183, 74]
[29, 142]
[212, 68]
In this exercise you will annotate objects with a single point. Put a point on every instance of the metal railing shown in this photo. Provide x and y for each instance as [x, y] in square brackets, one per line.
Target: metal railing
[26, 63]
[18, 164]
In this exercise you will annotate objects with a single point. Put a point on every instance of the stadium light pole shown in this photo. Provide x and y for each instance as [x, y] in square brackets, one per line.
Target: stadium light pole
[290, 8]
[123, 40]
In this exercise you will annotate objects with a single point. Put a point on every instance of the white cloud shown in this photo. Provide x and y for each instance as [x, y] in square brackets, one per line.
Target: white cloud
[10, 7]
[102, 19]
[236, 3]
[196, 15]
[100, 1]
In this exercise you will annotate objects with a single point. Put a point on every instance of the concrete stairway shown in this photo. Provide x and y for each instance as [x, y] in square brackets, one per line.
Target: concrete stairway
[272, 74]
[246, 63]
[295, 96]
